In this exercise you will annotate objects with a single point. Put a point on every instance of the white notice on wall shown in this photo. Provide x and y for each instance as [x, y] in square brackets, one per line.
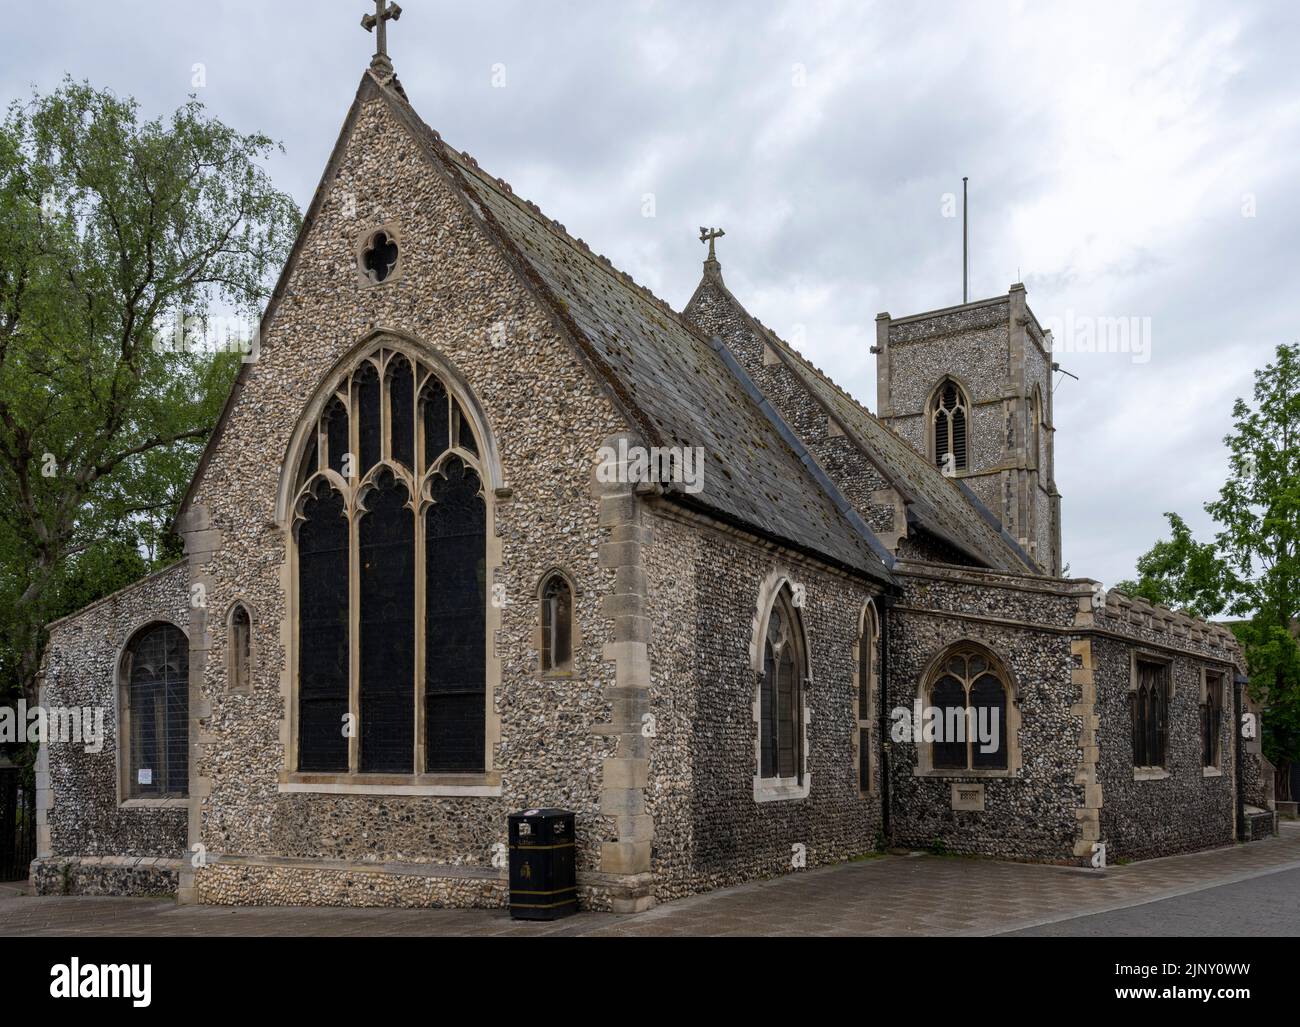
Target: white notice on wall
[145, 776]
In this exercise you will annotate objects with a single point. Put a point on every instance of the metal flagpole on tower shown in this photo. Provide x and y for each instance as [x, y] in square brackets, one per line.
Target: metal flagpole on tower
[965, 252]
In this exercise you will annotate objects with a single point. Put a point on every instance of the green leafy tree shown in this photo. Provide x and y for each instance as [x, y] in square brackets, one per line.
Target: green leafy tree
[112, 229]
[1182, 574]
[1252, 569]
[1259, 509]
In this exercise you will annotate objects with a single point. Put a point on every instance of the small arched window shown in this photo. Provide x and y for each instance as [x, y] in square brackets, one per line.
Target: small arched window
[239, 659]
[156, 713]
[969, 698]
[557, 625]
[949, 417]
[781, 698]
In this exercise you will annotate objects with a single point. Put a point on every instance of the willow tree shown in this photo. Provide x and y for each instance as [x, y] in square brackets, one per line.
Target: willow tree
[112, 229]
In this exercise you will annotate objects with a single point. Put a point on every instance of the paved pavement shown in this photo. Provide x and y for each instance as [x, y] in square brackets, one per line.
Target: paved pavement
[891, 895]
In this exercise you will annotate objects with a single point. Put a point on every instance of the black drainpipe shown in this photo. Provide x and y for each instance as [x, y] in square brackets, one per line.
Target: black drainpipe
[883, 605]
[1239, 681]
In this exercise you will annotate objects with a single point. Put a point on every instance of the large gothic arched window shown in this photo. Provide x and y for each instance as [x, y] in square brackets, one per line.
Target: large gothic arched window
[155, 712]
[390, 526]
[949, 418]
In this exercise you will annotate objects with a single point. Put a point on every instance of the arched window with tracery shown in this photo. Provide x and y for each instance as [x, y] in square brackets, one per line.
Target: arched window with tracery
[970, 696]
[155, 711]
[781, 694]
[949, 420]
[390, 532]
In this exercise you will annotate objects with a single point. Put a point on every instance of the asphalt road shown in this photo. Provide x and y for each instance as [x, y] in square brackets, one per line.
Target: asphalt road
[1265, 906]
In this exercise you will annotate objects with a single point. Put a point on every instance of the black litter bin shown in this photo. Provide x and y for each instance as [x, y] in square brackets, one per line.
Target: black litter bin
[543, 875]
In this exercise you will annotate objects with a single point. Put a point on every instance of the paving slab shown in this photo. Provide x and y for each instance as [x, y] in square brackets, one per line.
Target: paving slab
[891, 895]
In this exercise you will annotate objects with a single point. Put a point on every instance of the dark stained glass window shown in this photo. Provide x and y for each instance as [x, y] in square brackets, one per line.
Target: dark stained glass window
[465, 433]
[767, 715]
[866, 655]
[368, 417]
[157, 678]
[864, 759]
[1212, 720]
[988, 700]
[386, 543]
[455, 621]
[241, 648]
[437, 435]
[557, 624]
[322, 632]
[866, 684]
[949, 697]
[972, 698]
[1150, 714]
[401, 403]
[359, 640]
[336, 436]
[781, 695]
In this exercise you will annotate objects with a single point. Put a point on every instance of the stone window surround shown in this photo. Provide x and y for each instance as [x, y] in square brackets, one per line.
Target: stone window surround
[229, 648]
[361, 243]
[486, 783]
[122, 717]
[575, 630]
[778, 789]
[924, 757]
[1140, 654]
[868, 627]
[1225, 675]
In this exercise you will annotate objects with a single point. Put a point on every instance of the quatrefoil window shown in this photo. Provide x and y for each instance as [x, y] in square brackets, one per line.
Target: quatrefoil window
[379, 257]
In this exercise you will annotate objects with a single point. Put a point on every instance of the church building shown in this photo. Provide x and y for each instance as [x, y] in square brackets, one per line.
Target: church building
[487, 526]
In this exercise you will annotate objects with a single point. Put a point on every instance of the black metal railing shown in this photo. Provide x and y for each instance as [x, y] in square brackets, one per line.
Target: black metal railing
[17, 824]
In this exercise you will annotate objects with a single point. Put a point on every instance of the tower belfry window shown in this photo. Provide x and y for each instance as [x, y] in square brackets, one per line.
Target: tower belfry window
[949, 415]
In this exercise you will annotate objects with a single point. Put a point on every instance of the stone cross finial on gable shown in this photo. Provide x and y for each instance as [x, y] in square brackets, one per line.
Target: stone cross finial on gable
[379, 21]
[708, 235]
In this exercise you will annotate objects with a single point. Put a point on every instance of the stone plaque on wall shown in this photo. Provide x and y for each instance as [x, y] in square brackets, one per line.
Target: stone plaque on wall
[968, 797]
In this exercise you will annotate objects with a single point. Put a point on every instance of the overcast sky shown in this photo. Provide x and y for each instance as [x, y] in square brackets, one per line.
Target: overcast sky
[1128, 160]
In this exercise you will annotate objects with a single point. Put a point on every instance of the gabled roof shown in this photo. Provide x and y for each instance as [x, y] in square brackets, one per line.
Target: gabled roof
[662, 373]
[941, 506]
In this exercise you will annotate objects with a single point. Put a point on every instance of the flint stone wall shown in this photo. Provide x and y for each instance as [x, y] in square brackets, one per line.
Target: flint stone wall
[453, 291]
[1189, 809]
[1031, 816]
[81, 809]
[122, 876]
[710, 831]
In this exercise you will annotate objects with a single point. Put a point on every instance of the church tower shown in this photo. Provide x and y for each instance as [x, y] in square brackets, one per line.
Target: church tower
[970, 387]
